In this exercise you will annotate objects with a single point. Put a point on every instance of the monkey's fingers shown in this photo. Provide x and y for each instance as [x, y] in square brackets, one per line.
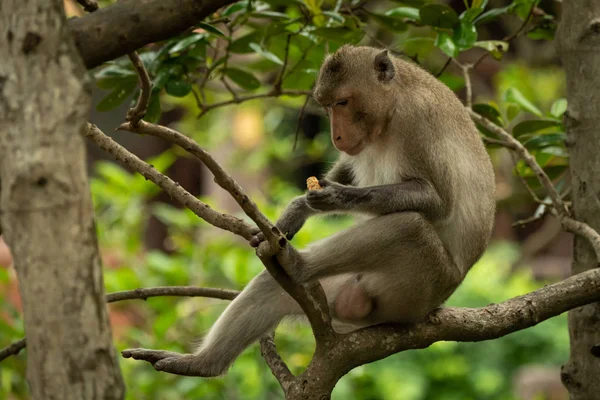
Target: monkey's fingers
[152, 356]
[257, 239]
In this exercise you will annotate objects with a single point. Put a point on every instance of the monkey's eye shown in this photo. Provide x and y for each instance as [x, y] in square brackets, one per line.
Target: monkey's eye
[341, 103]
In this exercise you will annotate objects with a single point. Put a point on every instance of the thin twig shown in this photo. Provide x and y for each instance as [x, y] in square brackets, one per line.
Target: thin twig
[135, 114]
[280, 370]
[446, 64]
[526, 156]
[510, 37]
[242, 99]
[222, 178]
[173, 189]
[279, 81]
[143, 294]
[466, 69]
[299, 123]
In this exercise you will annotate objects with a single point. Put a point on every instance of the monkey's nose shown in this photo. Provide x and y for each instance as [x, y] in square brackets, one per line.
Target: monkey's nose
[338, 138]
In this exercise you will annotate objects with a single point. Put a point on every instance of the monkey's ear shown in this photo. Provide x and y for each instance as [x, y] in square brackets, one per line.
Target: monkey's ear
[384, 67]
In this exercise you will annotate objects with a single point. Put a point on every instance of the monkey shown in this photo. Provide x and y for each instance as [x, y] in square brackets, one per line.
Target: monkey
[412, 169]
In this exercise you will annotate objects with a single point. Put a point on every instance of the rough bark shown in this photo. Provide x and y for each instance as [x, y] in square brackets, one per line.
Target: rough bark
[578, 41]
[126, 26]
[47, 212]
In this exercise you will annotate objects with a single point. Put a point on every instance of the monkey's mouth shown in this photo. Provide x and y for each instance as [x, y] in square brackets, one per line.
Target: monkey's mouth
[354, 150]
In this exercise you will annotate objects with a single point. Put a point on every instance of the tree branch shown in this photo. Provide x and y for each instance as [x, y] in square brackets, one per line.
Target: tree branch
[142, 294]
[126, 26]
[472, 324]
[222, 178]
[173, 189]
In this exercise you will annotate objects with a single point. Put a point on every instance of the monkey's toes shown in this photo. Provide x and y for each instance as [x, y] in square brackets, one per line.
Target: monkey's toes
[187, 365]
[152, 356]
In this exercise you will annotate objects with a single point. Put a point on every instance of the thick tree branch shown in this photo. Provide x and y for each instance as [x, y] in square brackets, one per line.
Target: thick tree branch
[142, 294]
[173, 189]
[473, 324]
[126, 26]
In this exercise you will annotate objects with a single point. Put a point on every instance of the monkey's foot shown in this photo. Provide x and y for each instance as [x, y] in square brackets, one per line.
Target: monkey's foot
[171, 362]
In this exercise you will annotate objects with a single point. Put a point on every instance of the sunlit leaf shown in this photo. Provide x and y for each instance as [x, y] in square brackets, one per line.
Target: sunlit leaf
[265, 53]
[558, 108]
[405, 12]
[497, 48]
[391, 23]
[536, 125]
[465, 35]
[187, 42]
[211, 29]
[492, 14]
[513, 95]
[445, 43]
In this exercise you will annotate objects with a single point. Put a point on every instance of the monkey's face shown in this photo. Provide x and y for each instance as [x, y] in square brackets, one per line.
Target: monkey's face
[351, 89]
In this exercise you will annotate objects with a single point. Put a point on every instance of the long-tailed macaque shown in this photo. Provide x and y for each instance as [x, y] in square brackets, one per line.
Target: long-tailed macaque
[413, 166]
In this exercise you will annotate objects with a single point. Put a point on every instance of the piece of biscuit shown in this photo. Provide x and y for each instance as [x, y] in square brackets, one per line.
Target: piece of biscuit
[312, 183]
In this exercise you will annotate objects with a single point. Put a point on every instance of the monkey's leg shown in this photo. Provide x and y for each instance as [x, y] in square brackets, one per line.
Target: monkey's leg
[258, 309]
[403, 265]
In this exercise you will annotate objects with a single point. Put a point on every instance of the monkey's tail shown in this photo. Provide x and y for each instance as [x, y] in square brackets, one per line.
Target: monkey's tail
[256, 311]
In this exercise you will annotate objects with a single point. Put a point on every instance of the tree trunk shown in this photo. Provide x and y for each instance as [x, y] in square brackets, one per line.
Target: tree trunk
[47, 213]
[578, 41]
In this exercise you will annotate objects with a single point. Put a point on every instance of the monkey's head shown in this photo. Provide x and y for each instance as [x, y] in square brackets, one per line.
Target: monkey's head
[354, 87]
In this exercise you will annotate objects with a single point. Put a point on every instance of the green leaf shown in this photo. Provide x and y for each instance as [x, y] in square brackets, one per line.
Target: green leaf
[512, 111]
[265, 53]
[154, 110]
[242, 45]
[243, 79]
[339, 34]
[490, 112]
[242, 5]
[211, 29]
[405, 12]
[492, 14]
[111, 83]
[187, 42]
[418, 46]
[390, 23]
[470, 14]
[465, 35]
[535, 125]
[439, 15]
[444, 42]
[334, 16]
[558, 108]
[117, 96]
[479, 4]
[513, 95]
[270, 15]
[497, 48]
[178, 88]
[542, 141]
[114, 71]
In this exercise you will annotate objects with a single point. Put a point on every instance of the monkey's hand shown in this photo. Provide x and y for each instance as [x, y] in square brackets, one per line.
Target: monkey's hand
[290, 222]
[332, 197]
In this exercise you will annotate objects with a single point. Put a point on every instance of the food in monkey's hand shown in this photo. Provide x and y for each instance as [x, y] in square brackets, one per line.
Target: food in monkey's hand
[312, 183]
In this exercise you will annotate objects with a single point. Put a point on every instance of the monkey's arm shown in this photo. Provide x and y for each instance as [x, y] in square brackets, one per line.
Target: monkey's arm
[298, 211]
[412, 195]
